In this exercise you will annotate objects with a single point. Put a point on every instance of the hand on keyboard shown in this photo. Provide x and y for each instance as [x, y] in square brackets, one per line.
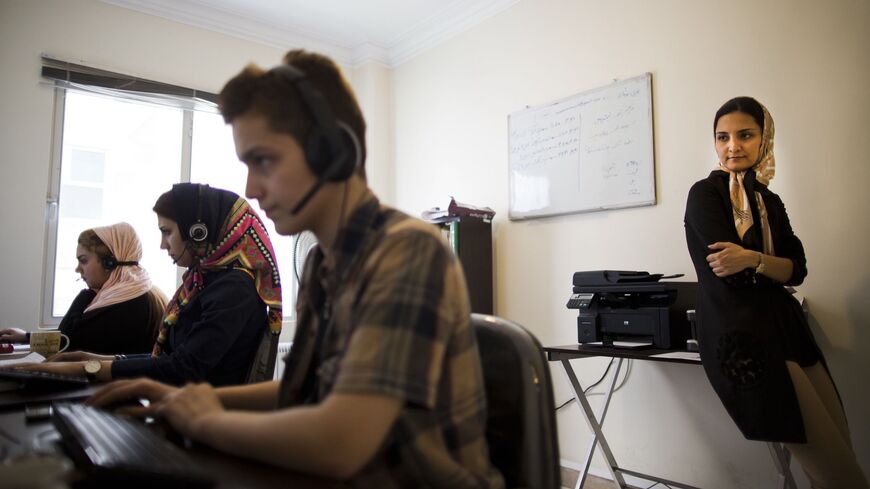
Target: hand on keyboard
[76, 369]
[77, 356]
[135, 408]
[189, 409]
[126, 391]
[185, 408]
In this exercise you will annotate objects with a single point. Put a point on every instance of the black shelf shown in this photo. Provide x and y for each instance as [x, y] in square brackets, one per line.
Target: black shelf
[471, 240]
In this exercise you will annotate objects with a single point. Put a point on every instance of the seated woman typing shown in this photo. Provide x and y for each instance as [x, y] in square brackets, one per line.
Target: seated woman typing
[214, 323]
[120, 311]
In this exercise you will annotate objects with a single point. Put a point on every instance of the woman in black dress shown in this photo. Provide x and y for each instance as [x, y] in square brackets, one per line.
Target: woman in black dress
[756, 345]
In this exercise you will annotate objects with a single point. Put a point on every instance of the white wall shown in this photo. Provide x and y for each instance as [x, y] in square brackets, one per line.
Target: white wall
[373, 85]
[442, 117]
[807, 61]
[121, 40]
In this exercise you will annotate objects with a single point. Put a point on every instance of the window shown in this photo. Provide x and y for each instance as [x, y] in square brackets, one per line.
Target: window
[115, 153]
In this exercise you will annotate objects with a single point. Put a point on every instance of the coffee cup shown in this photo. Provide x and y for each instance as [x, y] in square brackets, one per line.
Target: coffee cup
[47, 343]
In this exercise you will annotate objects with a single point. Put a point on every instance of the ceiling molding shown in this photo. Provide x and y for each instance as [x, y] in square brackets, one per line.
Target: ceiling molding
[457, 17]
[234, 25]
[370, 53]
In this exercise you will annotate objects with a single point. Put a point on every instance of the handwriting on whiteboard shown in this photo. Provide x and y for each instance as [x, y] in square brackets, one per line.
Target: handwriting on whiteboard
[589, 151]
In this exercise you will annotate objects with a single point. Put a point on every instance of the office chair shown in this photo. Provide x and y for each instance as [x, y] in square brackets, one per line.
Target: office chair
[521, 414]
[263, 365]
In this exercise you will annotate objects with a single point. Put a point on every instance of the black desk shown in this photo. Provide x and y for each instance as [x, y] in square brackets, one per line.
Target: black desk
[17, 437]
[563, 354]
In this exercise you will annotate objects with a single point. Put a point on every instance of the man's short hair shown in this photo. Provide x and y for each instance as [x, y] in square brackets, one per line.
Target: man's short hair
[273, 96]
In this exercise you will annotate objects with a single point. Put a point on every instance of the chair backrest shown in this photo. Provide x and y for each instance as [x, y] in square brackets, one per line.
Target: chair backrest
[263, 365]
[521, 413]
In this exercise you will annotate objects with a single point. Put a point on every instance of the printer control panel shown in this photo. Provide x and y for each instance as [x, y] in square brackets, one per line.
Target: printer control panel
[580, 301]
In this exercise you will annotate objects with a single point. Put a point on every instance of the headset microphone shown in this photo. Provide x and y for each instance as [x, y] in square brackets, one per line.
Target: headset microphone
[305, 198]
[186, 248]
[175, 261]
[332, 150]
[334, 170]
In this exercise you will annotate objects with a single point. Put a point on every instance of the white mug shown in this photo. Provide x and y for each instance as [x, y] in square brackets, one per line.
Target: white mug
[47, 343]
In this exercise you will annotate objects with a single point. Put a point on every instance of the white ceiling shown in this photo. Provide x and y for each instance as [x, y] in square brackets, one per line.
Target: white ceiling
[351, 31]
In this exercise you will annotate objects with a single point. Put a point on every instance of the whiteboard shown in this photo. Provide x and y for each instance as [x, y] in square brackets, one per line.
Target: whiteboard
[587, 152]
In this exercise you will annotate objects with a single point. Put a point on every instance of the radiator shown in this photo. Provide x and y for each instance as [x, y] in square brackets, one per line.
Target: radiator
[283, 350]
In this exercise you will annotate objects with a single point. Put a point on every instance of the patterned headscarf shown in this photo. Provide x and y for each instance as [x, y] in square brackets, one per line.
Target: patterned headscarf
[764, 171]
[124, 282]
[241, 243]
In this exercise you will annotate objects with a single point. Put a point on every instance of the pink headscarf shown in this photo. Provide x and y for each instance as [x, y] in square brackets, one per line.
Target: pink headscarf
[124, 282]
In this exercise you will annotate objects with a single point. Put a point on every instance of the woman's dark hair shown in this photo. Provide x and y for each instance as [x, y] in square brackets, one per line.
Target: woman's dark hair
[747, 105]
[163, 206]
[156, 308]
[89, 240]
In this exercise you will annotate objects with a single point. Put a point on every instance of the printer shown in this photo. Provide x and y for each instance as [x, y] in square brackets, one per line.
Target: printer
[632, 306]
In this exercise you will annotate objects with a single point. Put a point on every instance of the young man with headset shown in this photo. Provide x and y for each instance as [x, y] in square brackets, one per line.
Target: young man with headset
[383, 384]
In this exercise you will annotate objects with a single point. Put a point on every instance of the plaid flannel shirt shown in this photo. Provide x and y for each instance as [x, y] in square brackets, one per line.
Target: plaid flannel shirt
[391, 307]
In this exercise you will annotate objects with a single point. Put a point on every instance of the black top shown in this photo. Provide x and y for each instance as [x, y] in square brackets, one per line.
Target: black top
[215, 337]
[748, 324]
[126, 327]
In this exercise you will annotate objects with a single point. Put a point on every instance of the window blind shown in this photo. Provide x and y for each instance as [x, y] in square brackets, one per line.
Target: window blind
[63, 74]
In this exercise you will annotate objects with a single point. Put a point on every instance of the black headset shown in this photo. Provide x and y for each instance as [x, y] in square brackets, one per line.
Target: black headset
[332, 149]
[110, 263]
[198, 231]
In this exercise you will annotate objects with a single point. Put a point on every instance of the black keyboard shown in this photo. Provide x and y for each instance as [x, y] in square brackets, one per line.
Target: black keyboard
[32, 379]
[116, 451]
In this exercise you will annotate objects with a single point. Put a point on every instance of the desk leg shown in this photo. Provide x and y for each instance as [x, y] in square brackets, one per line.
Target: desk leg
[600, 417]
[595, 424]
[782, 461]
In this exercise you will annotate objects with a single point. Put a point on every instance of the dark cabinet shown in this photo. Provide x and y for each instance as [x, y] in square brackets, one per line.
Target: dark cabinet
[471, 240]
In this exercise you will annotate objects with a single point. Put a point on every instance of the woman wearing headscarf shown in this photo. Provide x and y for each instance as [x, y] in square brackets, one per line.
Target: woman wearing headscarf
[229, 298]
[121, 310]
[756, 345]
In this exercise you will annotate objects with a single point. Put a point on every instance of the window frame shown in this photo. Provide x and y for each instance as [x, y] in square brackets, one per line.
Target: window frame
[52, 213]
